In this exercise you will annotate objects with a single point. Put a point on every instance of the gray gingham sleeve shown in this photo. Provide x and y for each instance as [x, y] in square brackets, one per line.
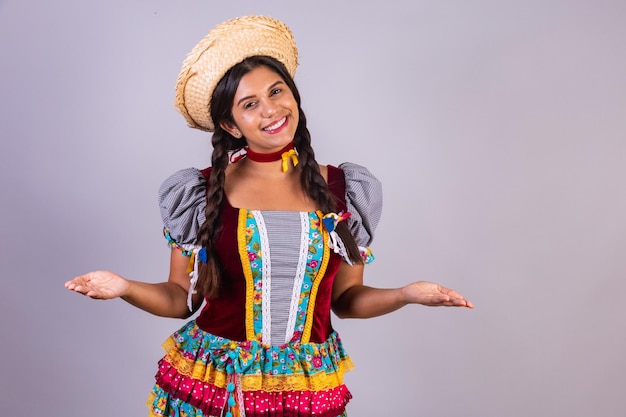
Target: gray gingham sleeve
[364, 199]
[182, 200]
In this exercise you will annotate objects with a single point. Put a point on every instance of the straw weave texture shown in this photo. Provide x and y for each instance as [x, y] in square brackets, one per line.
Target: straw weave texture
[224, 46]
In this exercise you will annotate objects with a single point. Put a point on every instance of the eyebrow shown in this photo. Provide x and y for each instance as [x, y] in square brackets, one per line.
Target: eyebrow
[270, 87]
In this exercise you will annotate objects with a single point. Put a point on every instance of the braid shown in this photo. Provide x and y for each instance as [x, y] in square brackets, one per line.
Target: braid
[209, 273]
[316, 187]
[311, 179]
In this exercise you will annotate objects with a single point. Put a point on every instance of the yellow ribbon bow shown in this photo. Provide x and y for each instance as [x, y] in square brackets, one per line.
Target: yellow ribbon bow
[291, 153]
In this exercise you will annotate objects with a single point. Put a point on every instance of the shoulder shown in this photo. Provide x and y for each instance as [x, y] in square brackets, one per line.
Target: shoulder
[335, 179]
[182, 185]
[182, 202]
[347, 171]
[354, 179]
[363, 196]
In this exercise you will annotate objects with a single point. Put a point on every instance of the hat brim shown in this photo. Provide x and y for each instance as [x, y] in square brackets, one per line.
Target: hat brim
[223, 47]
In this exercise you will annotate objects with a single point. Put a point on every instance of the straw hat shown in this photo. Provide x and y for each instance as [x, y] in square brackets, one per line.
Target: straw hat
[226, 45]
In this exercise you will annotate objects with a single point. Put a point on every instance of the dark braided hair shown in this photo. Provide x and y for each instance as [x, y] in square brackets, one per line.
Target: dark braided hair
[311, 179]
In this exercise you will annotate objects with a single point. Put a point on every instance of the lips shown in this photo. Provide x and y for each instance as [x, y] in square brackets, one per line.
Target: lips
[276, 125]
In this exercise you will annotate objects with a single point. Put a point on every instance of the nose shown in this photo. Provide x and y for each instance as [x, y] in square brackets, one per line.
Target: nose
[268, 108]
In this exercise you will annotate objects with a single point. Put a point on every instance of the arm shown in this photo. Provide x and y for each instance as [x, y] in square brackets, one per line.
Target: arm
[352, 299]
[166, 299]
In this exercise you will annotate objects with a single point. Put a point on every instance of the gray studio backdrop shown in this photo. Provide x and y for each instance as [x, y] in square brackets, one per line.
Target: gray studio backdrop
[497, 128]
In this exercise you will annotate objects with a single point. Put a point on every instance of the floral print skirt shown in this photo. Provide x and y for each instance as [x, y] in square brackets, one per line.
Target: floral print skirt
[203, 375]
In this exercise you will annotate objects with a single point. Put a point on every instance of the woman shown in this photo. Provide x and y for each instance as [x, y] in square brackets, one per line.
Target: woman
[271, 241]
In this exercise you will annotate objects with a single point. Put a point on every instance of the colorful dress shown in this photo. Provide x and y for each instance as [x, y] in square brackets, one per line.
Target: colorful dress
[265, 346]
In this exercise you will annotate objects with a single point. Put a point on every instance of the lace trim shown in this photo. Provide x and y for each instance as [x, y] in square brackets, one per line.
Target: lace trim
[192, 267]
[264, 382]
[300, 272]
[308, 325]
[190, 398]
[212, 359]
[192, 270]
[266, 279]
[247, 271]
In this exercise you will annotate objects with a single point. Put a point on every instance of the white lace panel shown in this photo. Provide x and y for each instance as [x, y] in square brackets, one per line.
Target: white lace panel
[284, 240]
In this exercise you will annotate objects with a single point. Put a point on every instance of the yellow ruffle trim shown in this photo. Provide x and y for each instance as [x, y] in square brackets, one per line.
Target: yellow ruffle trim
[257, 382]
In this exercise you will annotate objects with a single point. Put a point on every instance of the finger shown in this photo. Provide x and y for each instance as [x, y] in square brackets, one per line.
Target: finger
[451, 293]
[87, 290]
[83, 289]
[458, 299]
[461, 302]
[79, 280]
[437, 300]
[72, 283]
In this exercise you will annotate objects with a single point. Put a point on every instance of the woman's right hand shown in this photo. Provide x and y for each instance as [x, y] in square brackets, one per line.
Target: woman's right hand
[101, 285]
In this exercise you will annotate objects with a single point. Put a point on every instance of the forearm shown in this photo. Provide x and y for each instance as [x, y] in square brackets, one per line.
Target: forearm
[166, 299]
[362, 302]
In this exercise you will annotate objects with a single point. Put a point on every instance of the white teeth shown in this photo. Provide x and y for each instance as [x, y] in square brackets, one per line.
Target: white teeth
[277, 124]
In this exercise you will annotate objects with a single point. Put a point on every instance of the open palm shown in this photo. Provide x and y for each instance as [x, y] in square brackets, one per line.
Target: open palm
[99, 284]
[433, 294]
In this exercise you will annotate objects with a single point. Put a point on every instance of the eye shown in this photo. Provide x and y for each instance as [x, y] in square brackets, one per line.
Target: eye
[276, 91]
[249, 104]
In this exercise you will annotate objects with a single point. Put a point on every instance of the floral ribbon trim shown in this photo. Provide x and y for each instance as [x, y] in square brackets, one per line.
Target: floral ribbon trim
[330, 222]
[187, 250]
[366, 254]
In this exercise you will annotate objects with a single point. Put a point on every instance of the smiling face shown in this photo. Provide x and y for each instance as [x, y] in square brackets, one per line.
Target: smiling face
[264, 111]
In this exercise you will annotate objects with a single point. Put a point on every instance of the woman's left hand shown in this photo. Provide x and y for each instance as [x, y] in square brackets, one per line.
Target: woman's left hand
[434, 295]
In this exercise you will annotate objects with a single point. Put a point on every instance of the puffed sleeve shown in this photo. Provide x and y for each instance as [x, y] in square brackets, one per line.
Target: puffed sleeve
[182, 201]
[364, 200]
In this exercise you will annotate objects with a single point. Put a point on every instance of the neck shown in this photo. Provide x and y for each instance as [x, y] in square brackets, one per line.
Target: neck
[268, 157]
[287, 156]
